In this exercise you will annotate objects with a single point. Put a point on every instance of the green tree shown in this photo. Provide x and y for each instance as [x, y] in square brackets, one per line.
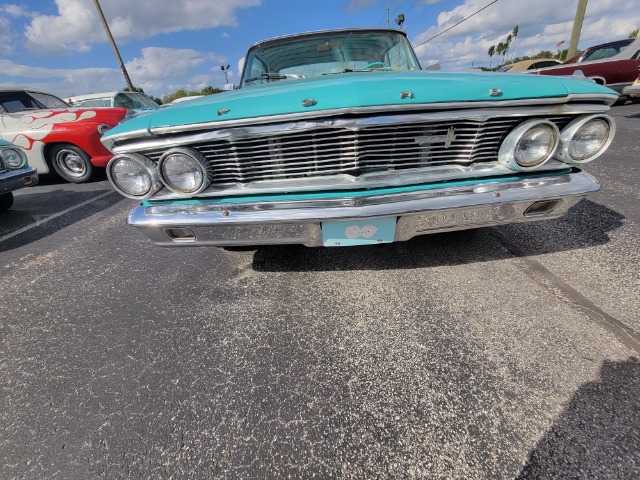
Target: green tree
[181, 92]
[634, 34]
[491, 52]
[500, 49]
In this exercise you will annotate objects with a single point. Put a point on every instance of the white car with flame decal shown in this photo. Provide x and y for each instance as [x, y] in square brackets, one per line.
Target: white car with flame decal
[56, 136]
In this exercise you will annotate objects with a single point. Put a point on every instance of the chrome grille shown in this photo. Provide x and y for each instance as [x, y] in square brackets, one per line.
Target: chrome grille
[332, 150]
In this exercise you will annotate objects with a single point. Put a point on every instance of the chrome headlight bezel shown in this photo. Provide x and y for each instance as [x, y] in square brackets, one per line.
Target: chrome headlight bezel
[506, 154]
[103, 128]
[572, 128]
[148, 167]
[21, 155]
[199, 162]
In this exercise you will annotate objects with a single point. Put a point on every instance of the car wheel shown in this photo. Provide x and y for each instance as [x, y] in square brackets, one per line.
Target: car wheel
[6, 200]
[72, 163]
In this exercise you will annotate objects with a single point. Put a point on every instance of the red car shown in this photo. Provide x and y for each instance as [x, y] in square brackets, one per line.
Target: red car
[54, 135]
[603, 65]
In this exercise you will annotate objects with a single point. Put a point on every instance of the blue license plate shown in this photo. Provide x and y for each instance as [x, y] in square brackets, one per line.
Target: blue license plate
[345, 233]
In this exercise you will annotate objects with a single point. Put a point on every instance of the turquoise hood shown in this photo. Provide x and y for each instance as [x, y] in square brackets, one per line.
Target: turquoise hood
[362, 89]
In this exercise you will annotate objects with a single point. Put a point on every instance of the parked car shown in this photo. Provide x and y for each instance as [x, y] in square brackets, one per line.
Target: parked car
[600, 52]
[338, 138]
[633, 91]
[532, 64]
[616, 71]
[15, 173]
[54, 135]
[132, 100]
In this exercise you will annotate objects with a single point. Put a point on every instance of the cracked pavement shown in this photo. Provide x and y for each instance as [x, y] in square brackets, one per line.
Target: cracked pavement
[507, 352]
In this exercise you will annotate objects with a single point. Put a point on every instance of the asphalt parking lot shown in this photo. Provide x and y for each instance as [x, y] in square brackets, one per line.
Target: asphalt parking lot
[506, 352]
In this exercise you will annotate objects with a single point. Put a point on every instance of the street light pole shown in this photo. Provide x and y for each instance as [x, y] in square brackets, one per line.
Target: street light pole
[113, 45]
[224, 69]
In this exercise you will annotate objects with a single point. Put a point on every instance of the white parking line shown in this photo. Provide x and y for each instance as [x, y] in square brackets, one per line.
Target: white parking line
[56, 215]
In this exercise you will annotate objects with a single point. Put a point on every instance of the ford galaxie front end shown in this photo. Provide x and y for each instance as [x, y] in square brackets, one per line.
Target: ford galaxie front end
[338, 138]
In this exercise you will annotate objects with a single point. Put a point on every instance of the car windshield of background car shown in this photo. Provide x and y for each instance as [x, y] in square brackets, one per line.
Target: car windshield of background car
[137, 101]
[328, 54]
[13, 102]
[48, 101]
[606, 52]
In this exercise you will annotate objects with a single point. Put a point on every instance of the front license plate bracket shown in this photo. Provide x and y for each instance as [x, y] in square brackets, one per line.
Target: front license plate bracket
[346, 233]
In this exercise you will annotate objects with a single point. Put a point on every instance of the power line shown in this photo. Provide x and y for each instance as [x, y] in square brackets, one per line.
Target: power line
[463, 20]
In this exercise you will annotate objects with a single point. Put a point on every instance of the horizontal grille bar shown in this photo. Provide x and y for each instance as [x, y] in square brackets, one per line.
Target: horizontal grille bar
[365, 149]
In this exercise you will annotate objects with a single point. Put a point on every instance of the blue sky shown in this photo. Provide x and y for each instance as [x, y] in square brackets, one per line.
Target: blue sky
[60, 46]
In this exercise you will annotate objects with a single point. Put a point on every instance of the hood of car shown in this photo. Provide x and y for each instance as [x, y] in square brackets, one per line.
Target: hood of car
[111, 116]
[349, 91]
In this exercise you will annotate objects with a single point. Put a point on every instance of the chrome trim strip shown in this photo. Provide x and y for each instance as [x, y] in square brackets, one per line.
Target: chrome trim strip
[418, 212]
[394, 178]
[433, 109]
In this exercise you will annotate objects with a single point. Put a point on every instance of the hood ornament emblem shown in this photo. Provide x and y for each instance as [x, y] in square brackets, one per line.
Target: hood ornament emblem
[495, 92]
[407, 94]
[223, 111]
[309, 102]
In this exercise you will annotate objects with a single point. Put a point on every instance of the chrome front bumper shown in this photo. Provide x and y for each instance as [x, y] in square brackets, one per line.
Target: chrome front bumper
[418, 212]
[15, 179]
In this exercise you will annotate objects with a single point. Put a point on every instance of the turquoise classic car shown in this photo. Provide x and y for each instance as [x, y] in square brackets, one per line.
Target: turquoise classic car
[15, 173]
[338, 138]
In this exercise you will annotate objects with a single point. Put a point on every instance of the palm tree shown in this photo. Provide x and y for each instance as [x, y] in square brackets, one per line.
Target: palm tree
[491, 53]
[507, 44]
[500, 49]
[514, 34]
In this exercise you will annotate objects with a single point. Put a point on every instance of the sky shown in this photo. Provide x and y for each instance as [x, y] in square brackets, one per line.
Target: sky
[60, 46]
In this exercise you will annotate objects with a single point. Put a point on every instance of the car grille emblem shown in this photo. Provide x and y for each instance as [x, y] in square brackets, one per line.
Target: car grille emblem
[446, 139]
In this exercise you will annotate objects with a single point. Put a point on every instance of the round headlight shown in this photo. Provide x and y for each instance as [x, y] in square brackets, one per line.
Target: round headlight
[133, 176]
[589, 139]
[12, 158]
[535, 146]
[585, 139]
[103, 128]
[529, 145]
[184, 171]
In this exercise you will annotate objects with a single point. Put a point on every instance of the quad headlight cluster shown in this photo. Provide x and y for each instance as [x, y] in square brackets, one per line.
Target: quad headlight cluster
[184, 171]
[534, 142]
[12, 158]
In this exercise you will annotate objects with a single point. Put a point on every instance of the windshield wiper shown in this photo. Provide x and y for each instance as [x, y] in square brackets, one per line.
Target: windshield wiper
[267, 76]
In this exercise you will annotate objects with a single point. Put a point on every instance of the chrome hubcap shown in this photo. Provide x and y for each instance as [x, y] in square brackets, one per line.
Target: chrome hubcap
[71, 163]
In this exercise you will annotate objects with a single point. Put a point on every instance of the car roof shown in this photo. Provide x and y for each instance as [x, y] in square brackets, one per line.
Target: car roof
[624, 41]
[526, 63]
[21, 89]
[325, 32]
[89, 96]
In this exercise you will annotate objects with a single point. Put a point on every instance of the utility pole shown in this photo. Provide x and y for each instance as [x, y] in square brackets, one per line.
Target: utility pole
[577, 28]
[113, 44]
[388, 11]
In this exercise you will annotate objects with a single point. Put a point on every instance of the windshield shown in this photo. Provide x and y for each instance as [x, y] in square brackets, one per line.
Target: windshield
[136, 101]
[17, 101]
[328, 54]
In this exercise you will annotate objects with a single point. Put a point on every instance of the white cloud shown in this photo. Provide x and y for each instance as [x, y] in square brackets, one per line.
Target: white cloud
[16, 11]
[77, 26]
[159, 66]
[6, 37]
[157, 71]
[542, 24]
